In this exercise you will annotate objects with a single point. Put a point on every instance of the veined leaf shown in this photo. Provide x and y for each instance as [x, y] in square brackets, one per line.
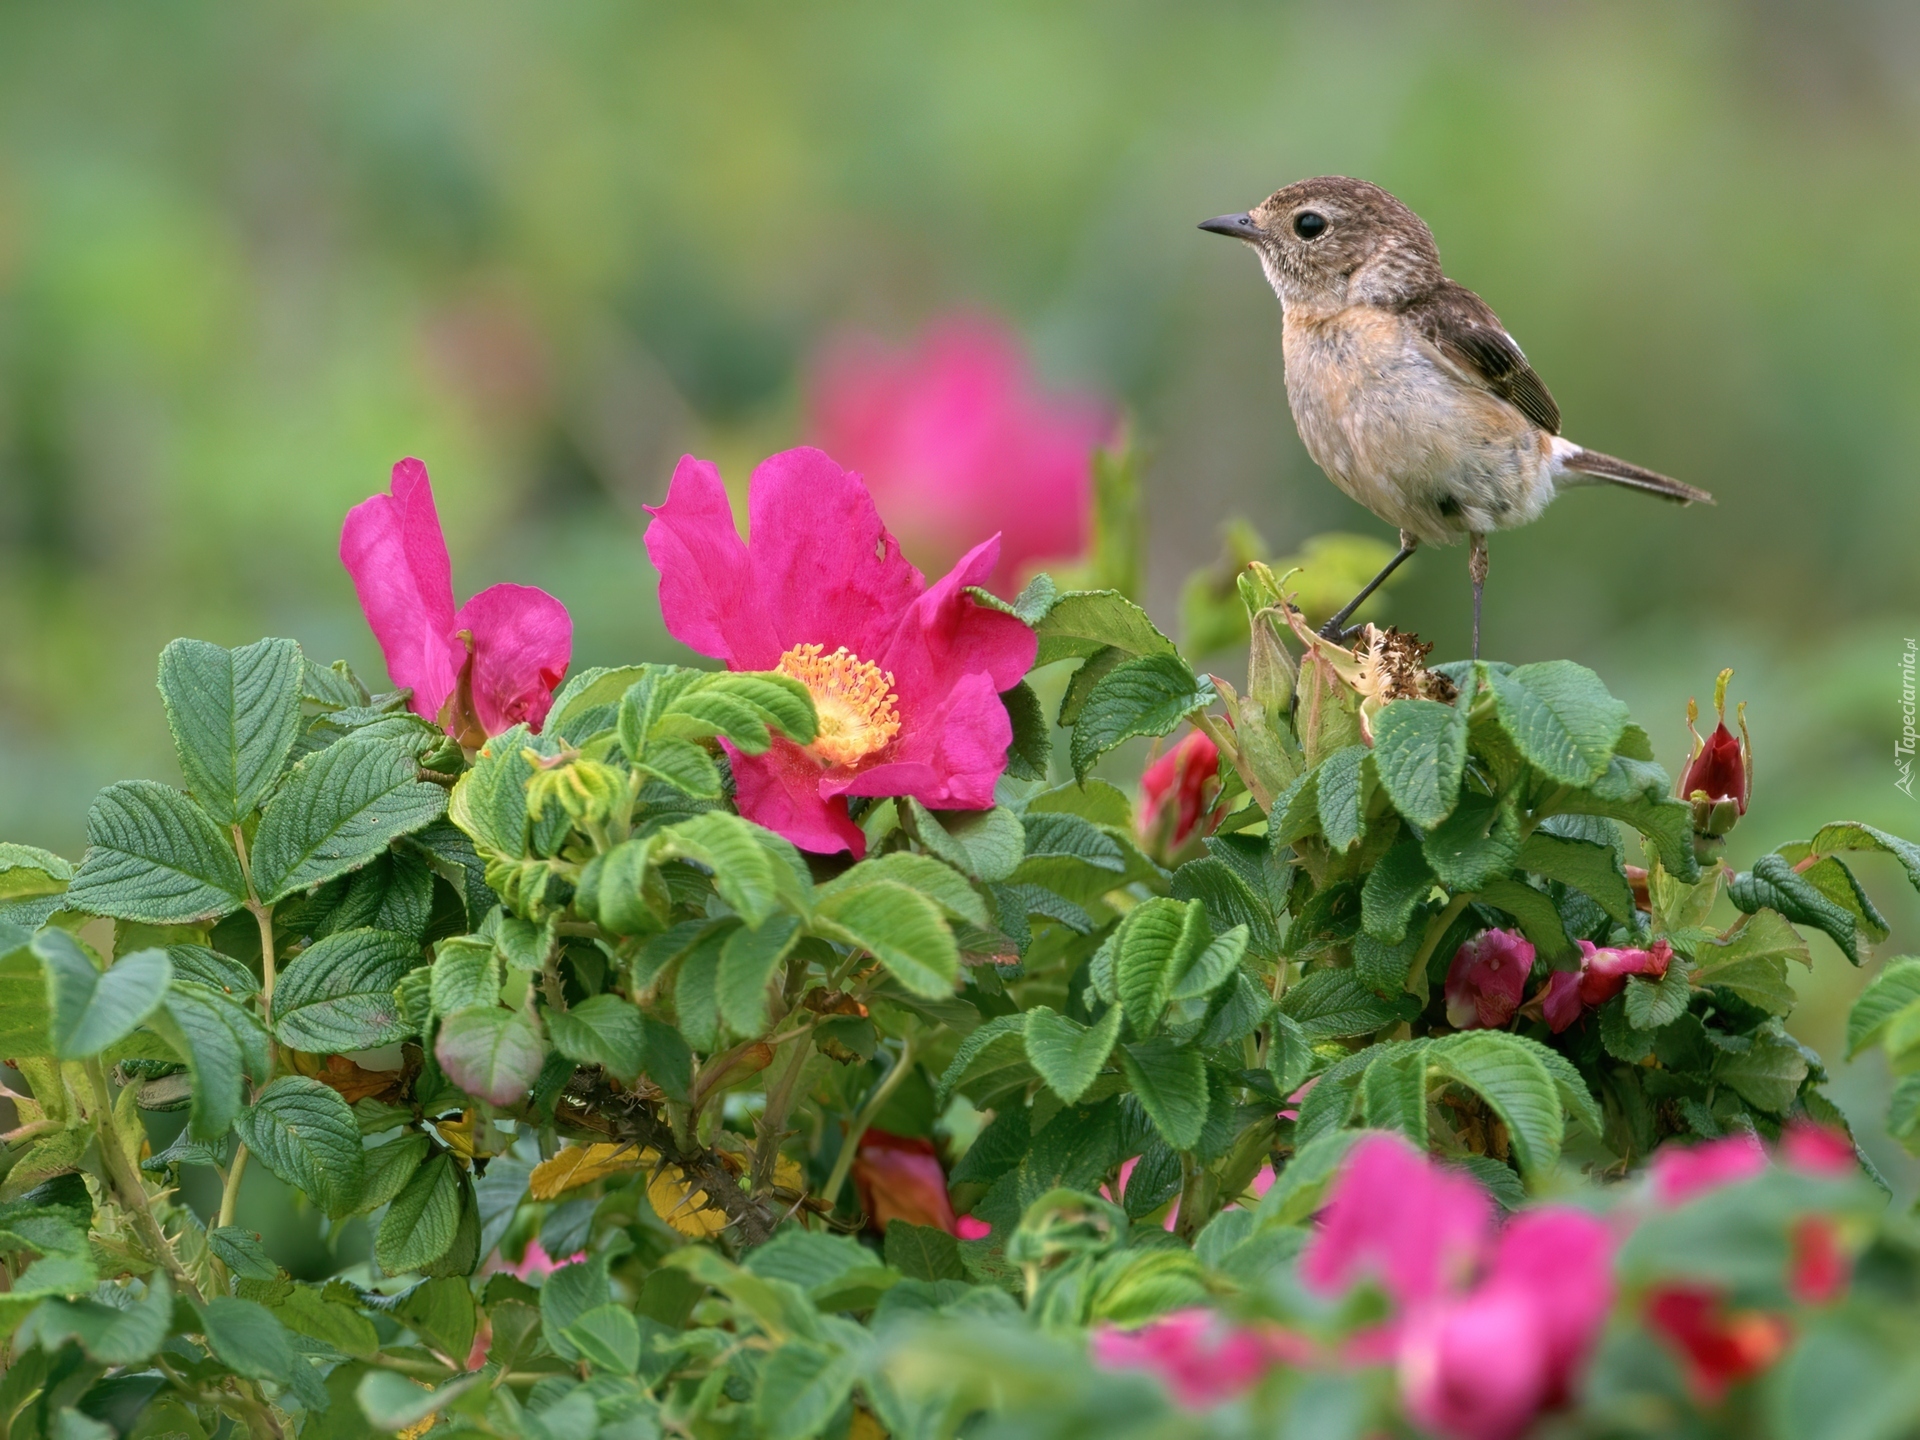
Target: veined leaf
[493, 1054]
[1592, 869]
[304, 1132]
[234, 715]
[424, 1219]
[91, 1010]
[1148, 695]
[1394, 889]
[337, 810]
[222, 1043]
[1330, 1002]
[1171, 1080]
[1560, 717]
[1341, 795]
[1065, 1053]
[1505, 1072]
[1156, 944]
[338, 994]
[152, 856]
[989, 1061]
[903, 930]
[1420, 752]
[1893, 992]
[603, 1030]
[1080, 622]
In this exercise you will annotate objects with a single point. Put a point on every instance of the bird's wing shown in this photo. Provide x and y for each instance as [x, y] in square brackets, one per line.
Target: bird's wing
[1466, 332]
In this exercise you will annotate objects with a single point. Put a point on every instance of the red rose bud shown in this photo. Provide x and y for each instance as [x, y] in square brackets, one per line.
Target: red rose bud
[1719, 777]
[1176, 790]
[1603, 973]
[1486, 980]
[1718, 1346]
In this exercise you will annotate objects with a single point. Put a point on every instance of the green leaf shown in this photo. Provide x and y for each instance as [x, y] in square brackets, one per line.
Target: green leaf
[247, 1339]
[608, 1337]
[494, 1055]
[942, 884]
[316, 1314]
[25, 1014]
[1393, 1094]
[1560, 717]
[604, 1030]
[1636, 794]
[1341, 796]
[923, 1252]
[337, 810]
[394, 1403]
[305, 1133]
[441, 1312]
[466, 975]
[1420, 753]
[1213, 967]
[623, 890]
[1654, 1003]
[748, 962]
[1479, 841]
[986, 845]
[1171, 1080]
[423, 1220]
[1752, 962]
[590, 698]
[234, 715]
[1069, 1055]
[222, 1043]
[1394, 889]
[28, 872]
[1080, 622]
[802, 1385]
[1892, 992]
[1774, 885]
[1230, 899]
[1507, 1073]
[1593, 870]
[1852, 835]
[988, 1062]
[242, 1253]
[338, 994]
[89, 1010]
[1768, 1073]
[753, 869]
[108, 1333]
[1536, 915]
[1289, 1053]
[1031, 751]
[1155, 945]
[153, 856]
[1149, 695]
[901, 928]
[1332, 1002]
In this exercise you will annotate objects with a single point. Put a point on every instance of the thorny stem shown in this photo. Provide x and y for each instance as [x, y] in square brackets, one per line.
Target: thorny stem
[127, 1183]
[772, 1127]
[851, 1145]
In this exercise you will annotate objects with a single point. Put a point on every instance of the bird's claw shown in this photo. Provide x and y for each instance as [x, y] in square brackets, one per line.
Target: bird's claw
[1339, 634]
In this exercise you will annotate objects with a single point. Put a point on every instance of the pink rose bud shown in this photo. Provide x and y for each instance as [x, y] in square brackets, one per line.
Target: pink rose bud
[1487, 979]
[1719, 778]
[1176, 790]
[1603, 973]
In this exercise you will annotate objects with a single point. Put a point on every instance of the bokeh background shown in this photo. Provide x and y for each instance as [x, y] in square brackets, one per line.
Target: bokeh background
[250, 255]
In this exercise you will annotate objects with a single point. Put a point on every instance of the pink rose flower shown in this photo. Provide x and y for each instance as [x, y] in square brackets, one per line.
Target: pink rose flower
[899, 1178]
[906, 677]
[1199, 1355]
[1818, 1149]
[1487, 979]
[959, 444]
[1176, 790]
[1560, 1003]
[1397, 1219]
[491, 664]
[1681, 1172]
[1603, 974]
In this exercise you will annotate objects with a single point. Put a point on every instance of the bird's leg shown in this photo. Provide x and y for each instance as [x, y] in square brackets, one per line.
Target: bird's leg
[1477, 562]
[1335, 629]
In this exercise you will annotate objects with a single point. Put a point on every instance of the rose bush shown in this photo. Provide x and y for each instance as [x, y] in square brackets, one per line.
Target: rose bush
[828, 1045]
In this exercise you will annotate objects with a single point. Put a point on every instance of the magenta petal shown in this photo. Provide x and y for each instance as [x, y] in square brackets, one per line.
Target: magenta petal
[1395, 1217]
[522, 643]
[781, 790]
[1475, 1369]
[393, 548]
[709, 596]
[1562, 1259]
[823, 563]
[948, 754]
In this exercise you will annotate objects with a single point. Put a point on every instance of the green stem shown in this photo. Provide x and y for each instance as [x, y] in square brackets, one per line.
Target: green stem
[127, 1183]
[773, 1119]
[1436, 928]
[851, 1145]
[262, 914]
[230, 1192]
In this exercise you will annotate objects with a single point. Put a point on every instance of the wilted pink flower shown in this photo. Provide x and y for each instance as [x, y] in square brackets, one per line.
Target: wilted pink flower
[1603, 973]
[958, 444]
[1560, 1002]
[1680, 1172]
[1487, 979]
[476, 671]
[1176, 790]
[1199, 1355]
[906, 677]
[1395, 1218]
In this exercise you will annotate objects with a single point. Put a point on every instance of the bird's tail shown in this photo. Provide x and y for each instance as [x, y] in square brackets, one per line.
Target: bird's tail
[1576, 466]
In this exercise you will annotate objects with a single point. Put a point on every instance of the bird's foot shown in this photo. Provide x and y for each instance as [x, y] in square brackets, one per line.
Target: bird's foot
[1343, 635]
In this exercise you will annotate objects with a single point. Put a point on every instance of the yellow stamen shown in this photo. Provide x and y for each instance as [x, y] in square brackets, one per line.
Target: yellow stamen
[853, 697]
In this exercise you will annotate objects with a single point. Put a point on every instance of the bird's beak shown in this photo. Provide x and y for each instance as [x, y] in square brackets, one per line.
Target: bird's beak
[1240, 227]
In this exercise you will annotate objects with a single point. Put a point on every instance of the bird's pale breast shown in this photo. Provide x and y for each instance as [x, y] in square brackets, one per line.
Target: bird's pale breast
[1401, 433]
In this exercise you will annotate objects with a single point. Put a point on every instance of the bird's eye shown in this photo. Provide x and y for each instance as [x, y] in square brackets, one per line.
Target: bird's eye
[1308, 224]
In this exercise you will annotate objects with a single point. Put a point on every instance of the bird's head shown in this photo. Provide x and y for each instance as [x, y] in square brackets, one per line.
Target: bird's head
[1331, 241]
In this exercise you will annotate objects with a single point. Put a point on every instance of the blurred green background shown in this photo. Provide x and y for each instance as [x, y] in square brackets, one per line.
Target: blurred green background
[250, 255]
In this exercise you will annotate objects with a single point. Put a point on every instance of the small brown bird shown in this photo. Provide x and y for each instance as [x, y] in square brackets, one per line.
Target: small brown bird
[1406, 388]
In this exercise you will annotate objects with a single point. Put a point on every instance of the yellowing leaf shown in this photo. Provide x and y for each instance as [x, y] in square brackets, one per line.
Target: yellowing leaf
[579, 1165]
[687, 1210]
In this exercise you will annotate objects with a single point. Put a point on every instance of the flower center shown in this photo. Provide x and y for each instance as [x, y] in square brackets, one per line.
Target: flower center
[853, 697]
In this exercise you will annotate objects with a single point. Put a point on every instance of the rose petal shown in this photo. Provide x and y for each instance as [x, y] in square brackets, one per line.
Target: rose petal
[781, 790]
[393, 548]
[710, 598]
[522, 644]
